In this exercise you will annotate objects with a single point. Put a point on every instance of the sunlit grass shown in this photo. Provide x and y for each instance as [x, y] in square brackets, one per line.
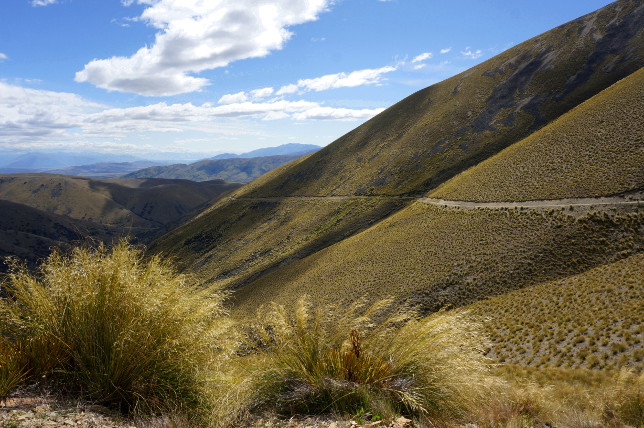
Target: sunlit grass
[325, 359]
[108, 326]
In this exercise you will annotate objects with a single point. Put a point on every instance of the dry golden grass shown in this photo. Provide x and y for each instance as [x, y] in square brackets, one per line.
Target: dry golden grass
[110, 327]
[595, 149]
[368, 358]
[437, 256]
[246, 237]
[591, 320]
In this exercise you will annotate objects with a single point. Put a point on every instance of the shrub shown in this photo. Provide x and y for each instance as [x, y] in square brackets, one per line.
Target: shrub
[112, 327]
[325, 359]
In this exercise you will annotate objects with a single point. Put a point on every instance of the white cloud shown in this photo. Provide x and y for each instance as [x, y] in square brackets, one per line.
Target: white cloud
[338, 80]
[3, 56]
[262, 93]
[288, 89]
[40, 118]
[239, 97]
[446, 50]
[42, 2]
[422, 57]
[198, 35]
[330, 113]
[468, 52]
[419, 66]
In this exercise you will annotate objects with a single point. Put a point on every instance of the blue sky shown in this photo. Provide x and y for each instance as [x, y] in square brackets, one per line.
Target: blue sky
[212, 76]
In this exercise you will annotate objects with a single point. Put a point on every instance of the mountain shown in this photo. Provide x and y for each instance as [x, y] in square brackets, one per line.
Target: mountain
[239, 170]
[104, 169]
[523, 171]
[284, 149]
[41, 211]
[44, 161]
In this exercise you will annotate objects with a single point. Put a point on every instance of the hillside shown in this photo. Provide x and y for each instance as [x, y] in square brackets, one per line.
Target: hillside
[382, 166]
[590, 320]
[44, 210]
[238, 170]
[595, 149]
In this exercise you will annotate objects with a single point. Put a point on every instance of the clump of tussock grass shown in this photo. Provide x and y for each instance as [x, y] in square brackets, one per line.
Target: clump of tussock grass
[12, 368]
[109, 326]
[326, 359]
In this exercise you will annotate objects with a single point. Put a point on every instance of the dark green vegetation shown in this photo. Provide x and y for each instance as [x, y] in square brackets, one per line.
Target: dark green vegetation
[238, 170]
[41, 211]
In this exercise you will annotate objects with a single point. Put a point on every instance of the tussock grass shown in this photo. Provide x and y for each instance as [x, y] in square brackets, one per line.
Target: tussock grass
[574, 398]
[590, 320]
[327, 359]
[108, 326]
[12, 369]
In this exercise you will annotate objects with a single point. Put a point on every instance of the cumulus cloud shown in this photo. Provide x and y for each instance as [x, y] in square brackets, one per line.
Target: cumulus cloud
[469, 53]
[42, 2]
[338, 80]
[262, 93]
[330, 113]
[40, 117]
[422, 57]
[196, 35]
[239, 97]
[446, 50]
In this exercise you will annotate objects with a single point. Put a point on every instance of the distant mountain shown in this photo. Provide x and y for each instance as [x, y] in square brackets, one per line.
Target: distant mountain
[40, 211]
[239, 170]
[44, 161]
[284, 149]
[105, 169]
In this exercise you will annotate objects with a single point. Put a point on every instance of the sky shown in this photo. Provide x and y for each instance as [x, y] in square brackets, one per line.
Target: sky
[203, 77]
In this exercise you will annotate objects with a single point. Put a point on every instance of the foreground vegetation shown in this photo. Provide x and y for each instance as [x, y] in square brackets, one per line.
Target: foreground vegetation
[107, 326]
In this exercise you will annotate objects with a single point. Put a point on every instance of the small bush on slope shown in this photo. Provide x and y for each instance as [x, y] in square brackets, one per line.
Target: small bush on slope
[325, 359]
[110, 327]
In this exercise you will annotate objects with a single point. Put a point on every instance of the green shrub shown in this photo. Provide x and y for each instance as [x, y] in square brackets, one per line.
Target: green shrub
[109, 326]
[325, 359]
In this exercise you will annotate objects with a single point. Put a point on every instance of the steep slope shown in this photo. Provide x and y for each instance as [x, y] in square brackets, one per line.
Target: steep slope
[437, 256]
[409, 149]
[590, 320]
[239, 170]
[595, 149]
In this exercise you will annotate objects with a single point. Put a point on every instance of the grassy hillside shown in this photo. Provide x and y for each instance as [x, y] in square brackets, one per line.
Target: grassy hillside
[41, 211]
[238, 170]
[412, 147]
[595, 149]
[590, 320]
[29, 233]
[437, 256]
[124, 202]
